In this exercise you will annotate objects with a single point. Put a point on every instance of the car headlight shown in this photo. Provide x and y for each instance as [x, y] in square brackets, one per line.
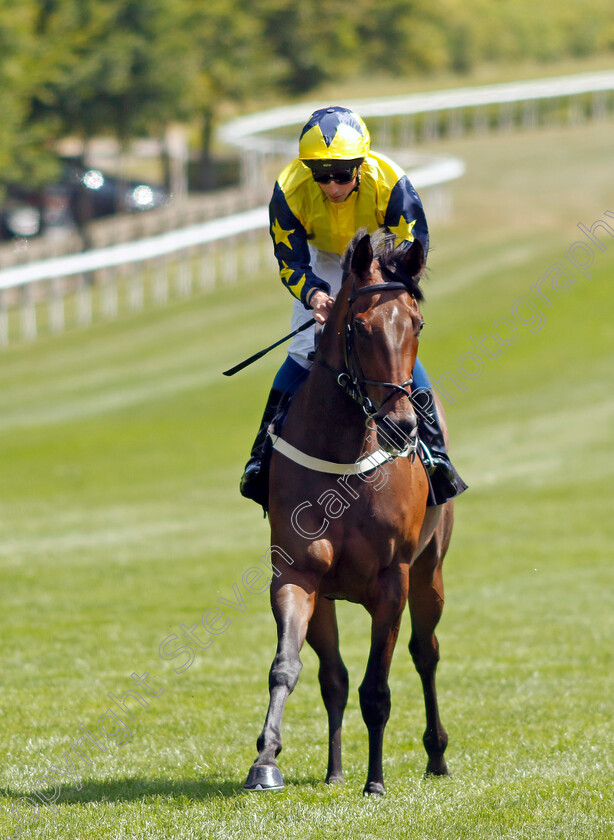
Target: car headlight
[24, 221]
[142, 196]
[93, 179]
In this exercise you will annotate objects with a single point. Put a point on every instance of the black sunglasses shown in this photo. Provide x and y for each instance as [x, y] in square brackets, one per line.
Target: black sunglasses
[341, 176]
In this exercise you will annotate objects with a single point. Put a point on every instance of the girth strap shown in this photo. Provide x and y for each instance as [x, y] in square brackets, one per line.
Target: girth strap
[364, 465]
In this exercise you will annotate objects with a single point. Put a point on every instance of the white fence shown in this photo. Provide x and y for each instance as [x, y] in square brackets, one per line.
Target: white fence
[246, 132]
[52, 293]
[109, 280]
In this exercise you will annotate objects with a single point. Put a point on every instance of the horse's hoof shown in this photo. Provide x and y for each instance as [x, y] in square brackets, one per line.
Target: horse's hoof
[264, 777]
[436, 767]
[374, 789]
[335, 779]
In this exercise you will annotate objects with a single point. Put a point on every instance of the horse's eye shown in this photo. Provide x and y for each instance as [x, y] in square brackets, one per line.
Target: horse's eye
[421, 327]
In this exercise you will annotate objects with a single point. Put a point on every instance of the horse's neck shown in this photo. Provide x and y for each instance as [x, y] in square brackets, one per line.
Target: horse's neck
[323, 421]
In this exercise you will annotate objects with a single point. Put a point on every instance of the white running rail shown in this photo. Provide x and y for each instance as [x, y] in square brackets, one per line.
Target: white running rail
[246, 132]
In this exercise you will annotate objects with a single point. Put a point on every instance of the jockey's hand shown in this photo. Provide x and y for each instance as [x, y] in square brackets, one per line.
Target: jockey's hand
[321, 303]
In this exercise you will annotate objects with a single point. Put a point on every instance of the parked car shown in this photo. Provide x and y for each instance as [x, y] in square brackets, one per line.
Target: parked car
[80, 194]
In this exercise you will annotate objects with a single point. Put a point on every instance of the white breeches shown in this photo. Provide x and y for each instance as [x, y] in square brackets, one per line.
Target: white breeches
[327, 267]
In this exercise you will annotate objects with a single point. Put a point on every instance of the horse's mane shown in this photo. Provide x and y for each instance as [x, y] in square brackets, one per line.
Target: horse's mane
[391, 259]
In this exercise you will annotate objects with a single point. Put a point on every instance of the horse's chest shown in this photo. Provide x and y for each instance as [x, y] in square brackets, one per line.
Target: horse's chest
[360, 563]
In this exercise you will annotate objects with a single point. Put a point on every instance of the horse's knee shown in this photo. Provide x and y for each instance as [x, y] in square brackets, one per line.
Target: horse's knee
[374, 704]
[335, 686]
[285, 673]
[424, 653]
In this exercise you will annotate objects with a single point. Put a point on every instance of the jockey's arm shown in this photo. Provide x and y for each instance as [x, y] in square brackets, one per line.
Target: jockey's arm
[292, 251]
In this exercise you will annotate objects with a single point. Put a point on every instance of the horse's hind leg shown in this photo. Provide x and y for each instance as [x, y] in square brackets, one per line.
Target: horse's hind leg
[426, 605]
[323, 637]
[292, 607]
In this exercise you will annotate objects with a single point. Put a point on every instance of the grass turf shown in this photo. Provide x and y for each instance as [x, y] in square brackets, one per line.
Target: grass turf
[120, 521]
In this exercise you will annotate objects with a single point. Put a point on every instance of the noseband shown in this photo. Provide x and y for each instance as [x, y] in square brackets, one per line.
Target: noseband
[352, 380]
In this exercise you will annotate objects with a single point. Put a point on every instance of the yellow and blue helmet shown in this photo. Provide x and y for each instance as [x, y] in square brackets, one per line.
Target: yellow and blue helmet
[333, 134]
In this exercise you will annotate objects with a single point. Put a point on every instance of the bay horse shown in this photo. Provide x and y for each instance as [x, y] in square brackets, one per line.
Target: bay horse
[352, 533]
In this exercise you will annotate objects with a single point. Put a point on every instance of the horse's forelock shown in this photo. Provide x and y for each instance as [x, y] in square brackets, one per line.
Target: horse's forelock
[382, 242]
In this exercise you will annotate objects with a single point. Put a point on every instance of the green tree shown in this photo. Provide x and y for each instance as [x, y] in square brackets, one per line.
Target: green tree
[25, 146]
[310, 42]
[118, 67]
[232, 65]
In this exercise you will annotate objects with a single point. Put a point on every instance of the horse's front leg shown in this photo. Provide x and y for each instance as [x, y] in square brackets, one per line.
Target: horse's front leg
[292, 607]
[374, 691]
[323, 637]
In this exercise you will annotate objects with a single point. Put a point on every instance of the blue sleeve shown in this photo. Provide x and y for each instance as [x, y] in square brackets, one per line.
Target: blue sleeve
[291, 249]
[405, 214]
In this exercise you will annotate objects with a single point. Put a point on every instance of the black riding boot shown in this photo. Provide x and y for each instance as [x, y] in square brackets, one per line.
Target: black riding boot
[445, 482]
[255, 480]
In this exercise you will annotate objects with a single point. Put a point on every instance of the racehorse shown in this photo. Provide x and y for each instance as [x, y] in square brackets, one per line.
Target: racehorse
[353, 529]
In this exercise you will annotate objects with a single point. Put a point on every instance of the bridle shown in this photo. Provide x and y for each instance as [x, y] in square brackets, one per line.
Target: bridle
[352, 380]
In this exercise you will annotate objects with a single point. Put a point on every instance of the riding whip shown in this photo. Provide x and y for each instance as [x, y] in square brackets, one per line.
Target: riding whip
[256, 356]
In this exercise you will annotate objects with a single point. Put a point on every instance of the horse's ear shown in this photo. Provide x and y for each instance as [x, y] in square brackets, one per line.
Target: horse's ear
[362, 256]
[414, 259]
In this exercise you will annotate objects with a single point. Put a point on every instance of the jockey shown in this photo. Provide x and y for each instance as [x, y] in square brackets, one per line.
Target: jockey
[336, 186]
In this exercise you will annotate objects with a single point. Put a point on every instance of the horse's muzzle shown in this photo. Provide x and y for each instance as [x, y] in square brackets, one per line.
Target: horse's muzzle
[395, 436]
